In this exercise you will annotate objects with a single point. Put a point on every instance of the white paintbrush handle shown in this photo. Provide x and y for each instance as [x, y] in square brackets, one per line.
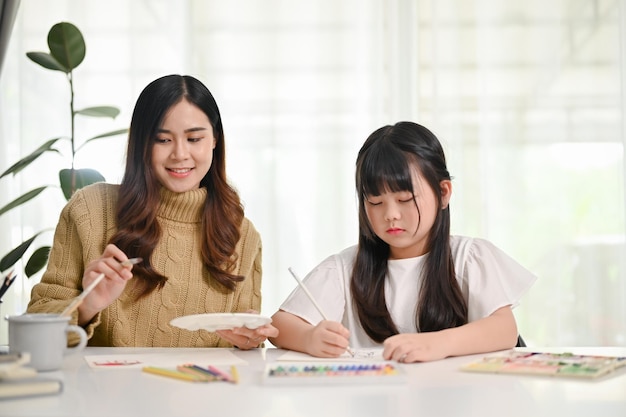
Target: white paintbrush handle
[79, 299]
[319, 309]
[306, 291]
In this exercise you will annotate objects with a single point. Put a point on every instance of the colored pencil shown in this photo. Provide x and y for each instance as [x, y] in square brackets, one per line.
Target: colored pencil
[173, 374]
[6, 283]
[221, 374]
[234, 374]
[198, 371]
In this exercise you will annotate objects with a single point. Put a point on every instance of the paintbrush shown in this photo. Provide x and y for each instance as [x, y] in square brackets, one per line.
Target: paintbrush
[319, 309]
[79, 299]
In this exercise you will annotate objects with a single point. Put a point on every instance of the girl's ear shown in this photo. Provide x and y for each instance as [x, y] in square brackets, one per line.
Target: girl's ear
[446, 193]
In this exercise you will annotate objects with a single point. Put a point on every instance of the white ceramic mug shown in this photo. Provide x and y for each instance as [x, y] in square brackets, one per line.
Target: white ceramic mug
[44, 336]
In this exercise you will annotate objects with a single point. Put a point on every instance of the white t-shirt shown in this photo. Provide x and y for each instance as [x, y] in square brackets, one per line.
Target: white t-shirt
[488, 277]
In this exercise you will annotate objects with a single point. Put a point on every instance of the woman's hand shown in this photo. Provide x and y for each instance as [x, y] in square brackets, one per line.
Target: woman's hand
[110, 288]
[329, 339]
[245, 338]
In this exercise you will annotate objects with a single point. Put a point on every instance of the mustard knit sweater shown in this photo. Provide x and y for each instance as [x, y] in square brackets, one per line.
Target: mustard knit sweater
[85, 226]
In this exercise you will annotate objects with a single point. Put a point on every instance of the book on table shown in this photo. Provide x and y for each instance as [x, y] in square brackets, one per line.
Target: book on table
[29, 387]
[17, 380]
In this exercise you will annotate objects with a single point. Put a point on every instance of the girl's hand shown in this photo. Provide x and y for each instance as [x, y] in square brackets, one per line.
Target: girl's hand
[415, 347]
[329, 339]
[245, 338]
[110, 288]
[497, 331]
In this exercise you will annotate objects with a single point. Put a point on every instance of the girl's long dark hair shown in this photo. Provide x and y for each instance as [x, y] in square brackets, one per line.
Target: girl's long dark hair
[386, 162]
[138, 230]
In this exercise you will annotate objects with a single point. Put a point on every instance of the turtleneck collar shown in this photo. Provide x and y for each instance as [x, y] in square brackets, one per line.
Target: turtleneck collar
[183, 207]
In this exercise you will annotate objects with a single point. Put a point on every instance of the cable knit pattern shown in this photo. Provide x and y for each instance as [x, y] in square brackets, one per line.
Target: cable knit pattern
[85, 226]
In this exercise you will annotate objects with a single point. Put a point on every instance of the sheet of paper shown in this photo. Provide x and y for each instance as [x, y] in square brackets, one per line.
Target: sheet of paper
[164, 360]
[564, 364]
[360, 355]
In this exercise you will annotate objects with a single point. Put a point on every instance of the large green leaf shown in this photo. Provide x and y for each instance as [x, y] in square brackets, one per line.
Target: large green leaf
[46, 60]
[16, 254]
[37, 261]
[66, 45]
[21, 200]
[24, 162]
[81, 178]
[100, 111]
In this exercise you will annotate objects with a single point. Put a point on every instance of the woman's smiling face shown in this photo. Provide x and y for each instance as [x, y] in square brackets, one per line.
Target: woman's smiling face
[183, 148]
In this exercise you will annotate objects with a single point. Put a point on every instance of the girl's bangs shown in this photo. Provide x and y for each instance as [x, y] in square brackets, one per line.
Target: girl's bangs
[386, 171]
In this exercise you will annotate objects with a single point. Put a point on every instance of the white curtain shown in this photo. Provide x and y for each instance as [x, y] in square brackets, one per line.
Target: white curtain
[527, 98]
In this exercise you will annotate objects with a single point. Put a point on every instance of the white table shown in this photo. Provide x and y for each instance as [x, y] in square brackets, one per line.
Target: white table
[433, 389]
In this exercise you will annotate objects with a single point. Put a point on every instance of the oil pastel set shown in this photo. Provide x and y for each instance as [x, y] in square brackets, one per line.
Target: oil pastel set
[548, 364]
[330, 373]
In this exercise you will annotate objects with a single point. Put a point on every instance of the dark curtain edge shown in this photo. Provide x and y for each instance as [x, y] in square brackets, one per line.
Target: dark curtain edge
[8, 13]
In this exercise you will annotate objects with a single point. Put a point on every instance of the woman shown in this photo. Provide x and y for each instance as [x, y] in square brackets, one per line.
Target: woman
[176, 211]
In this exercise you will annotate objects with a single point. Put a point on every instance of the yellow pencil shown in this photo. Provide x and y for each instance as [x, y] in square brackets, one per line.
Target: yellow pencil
[234, 374]
[173, 374]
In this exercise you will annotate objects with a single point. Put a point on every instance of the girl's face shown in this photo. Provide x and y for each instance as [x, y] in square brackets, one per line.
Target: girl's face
[183, 148]
[396, 220]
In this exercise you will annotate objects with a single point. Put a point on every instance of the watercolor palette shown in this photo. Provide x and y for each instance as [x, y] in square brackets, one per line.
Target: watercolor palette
[297, 373]
[549, 364]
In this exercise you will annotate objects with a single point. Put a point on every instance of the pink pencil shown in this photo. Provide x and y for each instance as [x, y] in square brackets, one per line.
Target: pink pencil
[221, 374]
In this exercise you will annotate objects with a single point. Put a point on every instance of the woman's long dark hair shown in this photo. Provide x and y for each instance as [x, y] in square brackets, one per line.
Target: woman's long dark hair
[386, 162]
[138, 230]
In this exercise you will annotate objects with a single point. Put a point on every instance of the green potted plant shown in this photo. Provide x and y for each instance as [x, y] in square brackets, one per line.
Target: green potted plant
[67, 51]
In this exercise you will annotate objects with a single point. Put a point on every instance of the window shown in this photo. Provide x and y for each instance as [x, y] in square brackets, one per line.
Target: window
[526, 97]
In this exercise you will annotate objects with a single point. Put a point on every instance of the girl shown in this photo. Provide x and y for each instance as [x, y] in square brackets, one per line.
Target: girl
[408, 285]
[176, 210]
